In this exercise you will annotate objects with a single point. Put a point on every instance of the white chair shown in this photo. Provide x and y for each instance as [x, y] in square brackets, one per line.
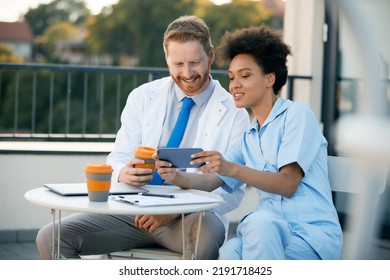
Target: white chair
[149, 253]
[364, 181]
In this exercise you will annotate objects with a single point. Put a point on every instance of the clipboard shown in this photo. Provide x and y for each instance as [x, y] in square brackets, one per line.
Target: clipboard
[177, 199]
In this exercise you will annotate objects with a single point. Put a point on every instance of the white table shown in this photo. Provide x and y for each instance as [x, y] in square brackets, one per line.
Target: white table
[45, 198]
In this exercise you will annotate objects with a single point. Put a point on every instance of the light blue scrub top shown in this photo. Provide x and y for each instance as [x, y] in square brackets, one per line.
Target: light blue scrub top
[291, 134]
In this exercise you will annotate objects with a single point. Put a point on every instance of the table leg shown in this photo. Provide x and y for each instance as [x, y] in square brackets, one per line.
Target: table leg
[201, 214]
[55, 255]
[53, 219]
[183, 237]
[58, 234]
[195, 253]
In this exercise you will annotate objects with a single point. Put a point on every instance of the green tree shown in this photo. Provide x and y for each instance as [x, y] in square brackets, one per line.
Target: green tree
[7, 55]
[108, 35]
[53, 36]
[74, 11]
[234, 15]
[136, 27]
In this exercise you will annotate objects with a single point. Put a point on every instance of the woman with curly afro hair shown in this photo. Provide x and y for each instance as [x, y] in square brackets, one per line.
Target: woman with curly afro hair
[283, 154]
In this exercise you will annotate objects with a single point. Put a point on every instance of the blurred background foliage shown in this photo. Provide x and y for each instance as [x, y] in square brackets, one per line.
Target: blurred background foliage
[134, 28]
[129, 33]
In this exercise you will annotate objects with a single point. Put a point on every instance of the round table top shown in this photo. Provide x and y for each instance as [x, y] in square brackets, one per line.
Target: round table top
[45, 198]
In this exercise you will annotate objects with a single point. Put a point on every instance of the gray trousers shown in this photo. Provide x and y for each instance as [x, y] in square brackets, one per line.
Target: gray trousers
[95, 234]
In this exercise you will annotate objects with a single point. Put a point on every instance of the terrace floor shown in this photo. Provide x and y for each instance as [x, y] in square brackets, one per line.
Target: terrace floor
[29, 251]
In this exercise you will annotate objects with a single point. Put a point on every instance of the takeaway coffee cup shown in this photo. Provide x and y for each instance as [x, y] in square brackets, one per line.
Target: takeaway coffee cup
[145, 153]
[98, 181]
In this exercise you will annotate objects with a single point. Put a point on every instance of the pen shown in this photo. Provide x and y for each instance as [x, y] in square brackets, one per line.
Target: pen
[158, 195]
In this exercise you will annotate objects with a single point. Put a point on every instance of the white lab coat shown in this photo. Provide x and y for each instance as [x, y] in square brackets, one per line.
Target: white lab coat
[142, 122]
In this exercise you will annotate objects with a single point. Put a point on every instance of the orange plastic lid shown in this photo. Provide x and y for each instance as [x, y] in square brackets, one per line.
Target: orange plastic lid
[98, 168]
[144, 152]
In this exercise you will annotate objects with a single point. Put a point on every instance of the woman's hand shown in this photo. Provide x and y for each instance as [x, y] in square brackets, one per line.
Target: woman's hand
[189, 180]
[215, 162]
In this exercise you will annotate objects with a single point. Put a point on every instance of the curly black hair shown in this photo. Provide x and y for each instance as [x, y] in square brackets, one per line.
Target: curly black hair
[264, 44]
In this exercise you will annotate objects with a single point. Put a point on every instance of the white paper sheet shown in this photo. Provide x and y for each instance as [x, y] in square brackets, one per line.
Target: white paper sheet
[178, 199]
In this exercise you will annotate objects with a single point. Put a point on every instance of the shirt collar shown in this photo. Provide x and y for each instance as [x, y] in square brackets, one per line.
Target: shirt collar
[279, 107]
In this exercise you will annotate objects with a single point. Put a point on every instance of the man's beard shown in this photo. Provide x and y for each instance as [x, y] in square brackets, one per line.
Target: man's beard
[197, 85]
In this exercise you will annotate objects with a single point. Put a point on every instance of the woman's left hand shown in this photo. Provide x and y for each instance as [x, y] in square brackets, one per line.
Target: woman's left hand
[214, 162]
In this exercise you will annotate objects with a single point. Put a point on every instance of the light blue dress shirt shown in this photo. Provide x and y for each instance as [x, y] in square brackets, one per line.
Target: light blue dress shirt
[291, 134]
[173, 108]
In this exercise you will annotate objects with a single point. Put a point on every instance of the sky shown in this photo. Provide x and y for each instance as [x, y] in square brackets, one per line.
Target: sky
[11, 9]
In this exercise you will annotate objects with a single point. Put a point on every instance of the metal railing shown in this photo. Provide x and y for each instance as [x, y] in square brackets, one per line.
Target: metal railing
[51, 102]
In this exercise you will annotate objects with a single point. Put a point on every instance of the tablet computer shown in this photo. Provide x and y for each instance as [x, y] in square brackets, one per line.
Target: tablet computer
[179, 157]
[80, 189]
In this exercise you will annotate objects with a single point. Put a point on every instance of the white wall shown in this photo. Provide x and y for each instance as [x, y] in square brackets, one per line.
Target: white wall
[303, 31]
[22, 172]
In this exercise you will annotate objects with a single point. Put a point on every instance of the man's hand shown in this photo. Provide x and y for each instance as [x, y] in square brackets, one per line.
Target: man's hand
[152, 222]
[165, 169]
[135, 176]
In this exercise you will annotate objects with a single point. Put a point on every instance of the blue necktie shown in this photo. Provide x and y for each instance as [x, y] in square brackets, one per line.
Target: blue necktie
[177, 133]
